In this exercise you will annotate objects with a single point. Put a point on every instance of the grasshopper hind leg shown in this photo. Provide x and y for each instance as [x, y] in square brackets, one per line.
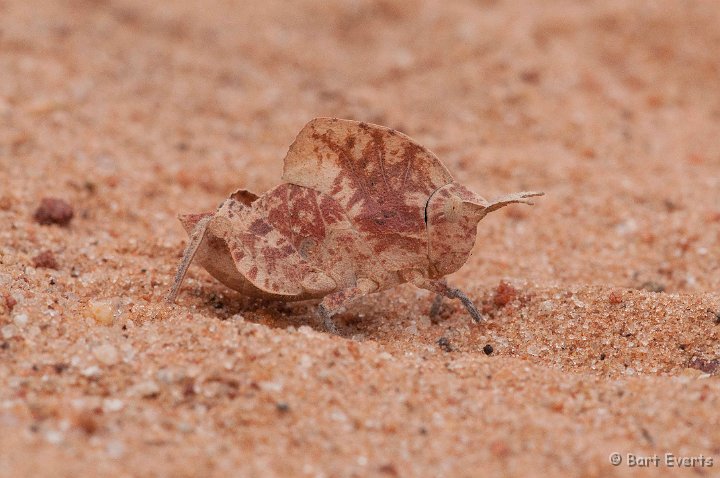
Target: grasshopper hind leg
[196, 238]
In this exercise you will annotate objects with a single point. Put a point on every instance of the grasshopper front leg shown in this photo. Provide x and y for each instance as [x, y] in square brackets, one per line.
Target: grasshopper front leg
[442, 289]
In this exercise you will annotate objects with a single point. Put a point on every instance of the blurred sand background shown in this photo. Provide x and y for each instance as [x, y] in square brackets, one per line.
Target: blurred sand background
[603, 299]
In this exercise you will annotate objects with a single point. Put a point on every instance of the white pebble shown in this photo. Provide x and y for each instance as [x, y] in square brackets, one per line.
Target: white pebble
[128, 351]
[269, 386]
[18, 296]
[106, 354]
[54, 437]
[115, 449]
[305, 361]
[91, 371]
[185, 427]
[145, 389]
[8, 331]
[101, 311]
[306, 330]
[338, 416]
[20, 320]
[547, 306]
[171, 374]
[112, 405]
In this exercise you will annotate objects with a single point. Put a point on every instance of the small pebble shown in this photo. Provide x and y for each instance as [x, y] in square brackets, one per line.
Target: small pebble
[90, 372]
[54, 211]
[8, 331]
[112, 405]
[106, 354]
[615, 298]
[60, 367]
[185, 427]
[6, 202]
[115, 449]
[146, 389]
[504, 294]
[488, 349]
[411, 329]
[272, 386]
[444, 343]
[101, 311]
[20, 320]
[54, 437]
[45, 260]
[168, 375]
[547, 306]
[87, 422]
[10, 302]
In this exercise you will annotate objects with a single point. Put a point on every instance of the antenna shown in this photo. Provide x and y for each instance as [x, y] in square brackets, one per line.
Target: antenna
[503, 201]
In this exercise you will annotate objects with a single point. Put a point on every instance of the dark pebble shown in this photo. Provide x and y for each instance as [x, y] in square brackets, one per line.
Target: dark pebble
[60, 367]
[45, 260]
[10, 302]
[444, 343]
[54, 211]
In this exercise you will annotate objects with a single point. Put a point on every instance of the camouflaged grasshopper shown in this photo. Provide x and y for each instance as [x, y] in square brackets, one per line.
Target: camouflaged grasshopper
[363, 208]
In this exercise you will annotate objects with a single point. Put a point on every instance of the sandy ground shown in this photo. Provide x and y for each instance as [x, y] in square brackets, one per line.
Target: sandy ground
[605, 338]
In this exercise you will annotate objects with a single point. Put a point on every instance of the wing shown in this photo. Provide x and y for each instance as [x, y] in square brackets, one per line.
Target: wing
[292, 242]
[381, 178]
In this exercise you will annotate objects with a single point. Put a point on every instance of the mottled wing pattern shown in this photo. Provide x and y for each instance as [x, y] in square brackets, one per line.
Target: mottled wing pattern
[319, 230]
[381, 178]
[278, 241]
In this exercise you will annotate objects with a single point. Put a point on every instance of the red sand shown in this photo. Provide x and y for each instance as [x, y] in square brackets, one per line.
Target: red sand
[134, 113]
